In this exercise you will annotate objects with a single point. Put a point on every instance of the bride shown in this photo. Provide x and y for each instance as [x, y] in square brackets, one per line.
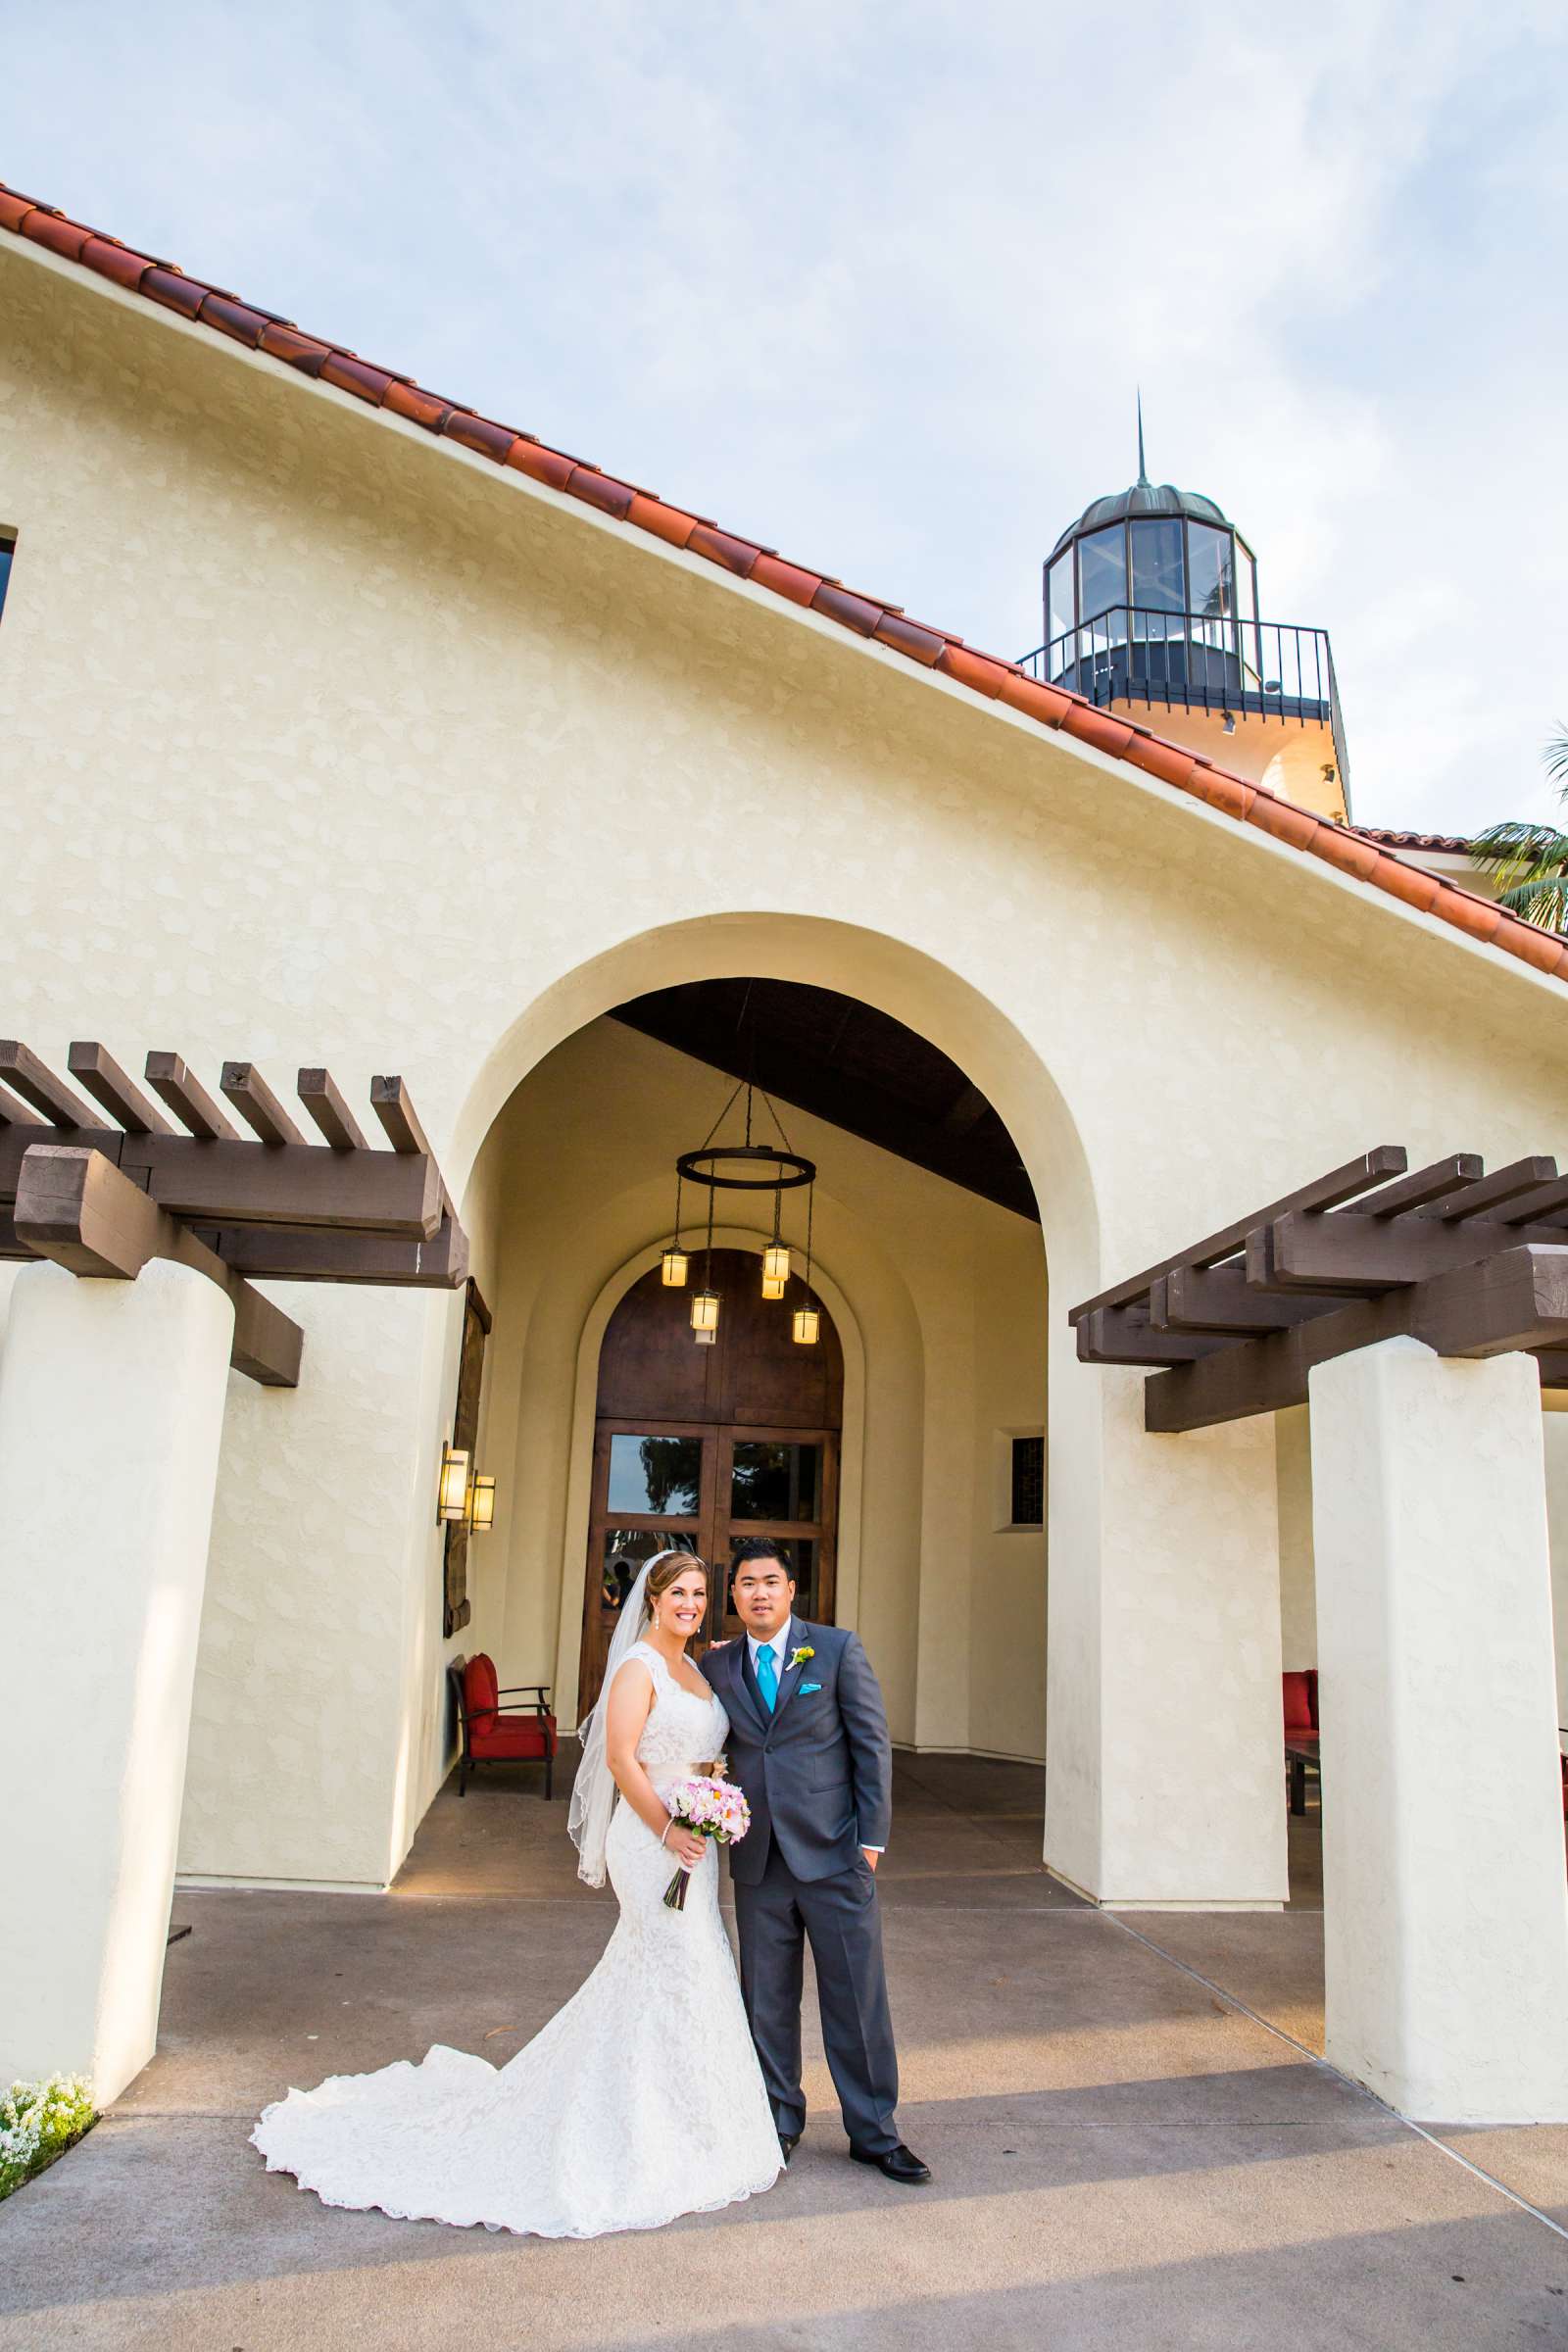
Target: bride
[642, 2098]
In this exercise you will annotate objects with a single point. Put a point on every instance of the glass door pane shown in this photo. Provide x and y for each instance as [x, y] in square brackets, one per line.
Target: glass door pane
[662, 1475]
[775, 1481]
[780, 1484]
[654, 1491]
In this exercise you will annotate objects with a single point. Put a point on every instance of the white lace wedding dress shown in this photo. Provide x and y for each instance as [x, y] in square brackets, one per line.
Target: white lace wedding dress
[640, 2100]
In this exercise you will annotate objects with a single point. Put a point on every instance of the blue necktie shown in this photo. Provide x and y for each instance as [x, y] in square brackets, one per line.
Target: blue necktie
[767, 1677]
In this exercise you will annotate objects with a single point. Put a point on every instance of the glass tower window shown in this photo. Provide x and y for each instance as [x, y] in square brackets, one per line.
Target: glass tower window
[1101, 571]
[1213, 567]
[1061, 593]
[1158, 581]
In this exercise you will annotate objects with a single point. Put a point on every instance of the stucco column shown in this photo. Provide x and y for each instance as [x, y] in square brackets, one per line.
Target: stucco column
[1446, 1910]
[1164, 1773]
[110, 1414]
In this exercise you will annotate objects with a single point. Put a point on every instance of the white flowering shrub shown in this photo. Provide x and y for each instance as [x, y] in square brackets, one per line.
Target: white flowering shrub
[39, 2122]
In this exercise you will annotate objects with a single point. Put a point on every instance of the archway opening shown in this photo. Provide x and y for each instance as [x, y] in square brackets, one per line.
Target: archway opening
[900, 1457]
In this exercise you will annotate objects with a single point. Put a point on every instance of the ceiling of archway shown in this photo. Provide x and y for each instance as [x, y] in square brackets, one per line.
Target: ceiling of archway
[846, 1062]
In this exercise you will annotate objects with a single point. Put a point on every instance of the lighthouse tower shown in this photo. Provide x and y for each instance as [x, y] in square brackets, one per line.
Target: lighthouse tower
[1152, 608]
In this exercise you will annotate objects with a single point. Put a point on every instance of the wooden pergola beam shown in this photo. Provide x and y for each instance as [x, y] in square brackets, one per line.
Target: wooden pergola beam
[1221, 1299]
[120, 1095]
[1545, 1205]
[295, 1253]
[37, 1083]
[188, 1099]
[75, 1207]
[1514, 1300]
[14, 1112]
[289, 1184]
[1468, 1263]
[389, 1100]
[330, 1112]
[1353, 1252]
[243, 1085]
[17, 1140]
[1324, 1193]
[1432, 1183]
[1125, 1334]
[108, 1198]
[267, 1344]
[1490, 1194]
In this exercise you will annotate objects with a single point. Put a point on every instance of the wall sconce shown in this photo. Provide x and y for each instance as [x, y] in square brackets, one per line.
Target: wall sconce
[705, 1313]
[481, 1505]
[672, 1269]
[1230, 722]
[807, 1326]
[452, 1486]
[775, 1268]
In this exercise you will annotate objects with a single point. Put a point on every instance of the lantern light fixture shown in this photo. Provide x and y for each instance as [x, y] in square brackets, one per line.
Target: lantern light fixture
[745, 1166]
[452, 1486]
[705, 1339]
[806, 1328]
[481, 1505]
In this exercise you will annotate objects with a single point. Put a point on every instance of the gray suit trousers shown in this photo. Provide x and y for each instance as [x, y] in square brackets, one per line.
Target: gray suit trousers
[840, 1915]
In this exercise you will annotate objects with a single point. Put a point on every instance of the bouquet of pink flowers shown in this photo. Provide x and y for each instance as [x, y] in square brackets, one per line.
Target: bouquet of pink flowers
[709, 1808]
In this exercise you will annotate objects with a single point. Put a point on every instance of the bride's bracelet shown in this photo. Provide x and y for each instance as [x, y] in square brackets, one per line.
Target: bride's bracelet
[668, 1825]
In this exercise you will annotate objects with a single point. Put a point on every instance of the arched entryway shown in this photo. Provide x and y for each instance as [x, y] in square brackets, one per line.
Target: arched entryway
[946, 1581]
[699, 1445]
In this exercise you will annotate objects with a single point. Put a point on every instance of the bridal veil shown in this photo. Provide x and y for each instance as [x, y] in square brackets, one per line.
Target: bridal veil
[594, 1792]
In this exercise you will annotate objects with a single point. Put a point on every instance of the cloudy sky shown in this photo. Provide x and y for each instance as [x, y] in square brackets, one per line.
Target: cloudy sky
[876, 285]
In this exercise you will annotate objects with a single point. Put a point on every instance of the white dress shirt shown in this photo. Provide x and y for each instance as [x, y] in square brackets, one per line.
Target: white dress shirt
[781, 1646]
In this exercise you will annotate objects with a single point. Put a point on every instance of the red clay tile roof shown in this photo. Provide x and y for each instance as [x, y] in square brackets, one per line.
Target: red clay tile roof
[1351, 850]
[1453, 845]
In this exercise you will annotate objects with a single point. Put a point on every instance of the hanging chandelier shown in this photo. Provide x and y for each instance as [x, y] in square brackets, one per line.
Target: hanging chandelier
[747, 1166]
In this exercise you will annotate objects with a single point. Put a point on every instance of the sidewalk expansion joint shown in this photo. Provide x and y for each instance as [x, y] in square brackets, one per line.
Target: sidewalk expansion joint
[1317, 2059]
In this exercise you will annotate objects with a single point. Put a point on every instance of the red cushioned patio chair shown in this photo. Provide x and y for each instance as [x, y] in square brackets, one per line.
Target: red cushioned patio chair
[487, 1733]
[1300, 1733]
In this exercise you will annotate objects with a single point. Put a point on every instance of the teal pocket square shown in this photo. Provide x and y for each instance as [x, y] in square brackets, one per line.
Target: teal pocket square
[805, 1690]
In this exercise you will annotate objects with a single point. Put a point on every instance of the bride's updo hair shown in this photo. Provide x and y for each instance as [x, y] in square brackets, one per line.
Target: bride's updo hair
[661, 1579]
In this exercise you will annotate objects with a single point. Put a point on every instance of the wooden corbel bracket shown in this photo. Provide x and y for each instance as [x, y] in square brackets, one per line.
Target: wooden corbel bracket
[75, 1207]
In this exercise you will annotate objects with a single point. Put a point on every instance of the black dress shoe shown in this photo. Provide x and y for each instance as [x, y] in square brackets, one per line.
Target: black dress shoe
[788, 2142]
[898, 2164]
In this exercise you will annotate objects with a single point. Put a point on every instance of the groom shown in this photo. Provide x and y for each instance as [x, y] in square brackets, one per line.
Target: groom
[808, 1744]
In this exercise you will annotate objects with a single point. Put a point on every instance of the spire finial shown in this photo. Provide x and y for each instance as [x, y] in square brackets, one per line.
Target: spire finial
[1143, 477]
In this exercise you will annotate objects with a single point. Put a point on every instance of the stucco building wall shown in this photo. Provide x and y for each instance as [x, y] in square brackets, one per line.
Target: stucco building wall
[366, 754]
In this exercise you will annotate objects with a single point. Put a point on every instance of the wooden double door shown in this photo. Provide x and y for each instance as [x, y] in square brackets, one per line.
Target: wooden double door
[698, 1446]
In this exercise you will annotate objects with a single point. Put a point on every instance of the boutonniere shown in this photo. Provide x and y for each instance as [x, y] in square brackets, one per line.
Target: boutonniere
[798, 1657]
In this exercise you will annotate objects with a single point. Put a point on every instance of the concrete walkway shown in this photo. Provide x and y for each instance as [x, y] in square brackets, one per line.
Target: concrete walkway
[1123, 2156]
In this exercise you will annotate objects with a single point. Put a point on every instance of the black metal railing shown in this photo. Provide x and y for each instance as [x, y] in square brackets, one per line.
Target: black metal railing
[1270, 670]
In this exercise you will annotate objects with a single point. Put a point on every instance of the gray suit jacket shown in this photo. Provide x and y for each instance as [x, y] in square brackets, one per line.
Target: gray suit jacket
[818, 1771]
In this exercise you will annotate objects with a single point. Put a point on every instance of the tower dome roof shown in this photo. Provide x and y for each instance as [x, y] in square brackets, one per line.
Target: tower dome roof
[1144, 498]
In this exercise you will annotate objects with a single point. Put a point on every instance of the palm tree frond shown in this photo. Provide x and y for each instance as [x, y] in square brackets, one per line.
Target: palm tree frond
[1555, 754]
[1542, 901]
[1517, 837]
[1520, 853]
